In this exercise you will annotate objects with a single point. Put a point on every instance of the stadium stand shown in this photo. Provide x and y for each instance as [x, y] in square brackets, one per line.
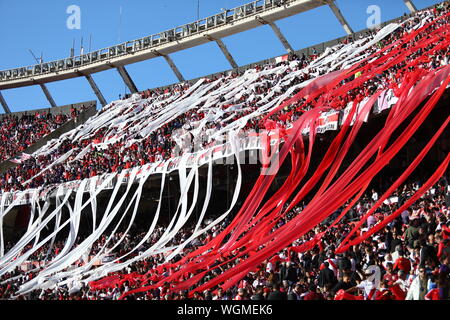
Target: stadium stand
[19, 133]
[21, 130]
[332, 260]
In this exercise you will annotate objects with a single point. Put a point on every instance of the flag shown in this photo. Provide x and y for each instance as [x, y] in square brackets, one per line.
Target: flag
[282, 58]
[20, 159]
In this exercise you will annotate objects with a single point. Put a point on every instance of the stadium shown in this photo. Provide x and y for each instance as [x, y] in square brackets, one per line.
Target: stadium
[320, 174]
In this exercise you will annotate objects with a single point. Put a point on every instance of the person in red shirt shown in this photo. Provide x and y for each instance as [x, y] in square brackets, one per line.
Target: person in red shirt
[384, 293]
[445, 231]
[433, 294]
[242, 295]
[313, 294]
[402, 263]
[390, 277]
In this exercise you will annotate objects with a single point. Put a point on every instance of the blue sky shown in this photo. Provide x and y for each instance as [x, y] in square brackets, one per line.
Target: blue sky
[41, 27]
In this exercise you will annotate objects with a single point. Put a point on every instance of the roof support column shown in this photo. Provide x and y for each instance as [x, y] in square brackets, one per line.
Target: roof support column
[227, 53]
[96, 90]
[48, 95]
[339, 16]
[171, 64]
[127, 79]
[410, 5]
[224, 50]
[281, 37]
[278, 33]
[174, 68]
[4, 104]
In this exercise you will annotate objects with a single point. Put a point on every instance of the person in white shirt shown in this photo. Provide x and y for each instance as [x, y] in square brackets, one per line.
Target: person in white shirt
[333, 263]
[374, 195]
[395, 254]
[388, 259]
[418, 288]
[270, 267]
[367, 286]
[401, 281]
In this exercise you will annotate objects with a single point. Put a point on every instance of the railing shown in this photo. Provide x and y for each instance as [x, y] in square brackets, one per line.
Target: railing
[319, 48]
[131, 47]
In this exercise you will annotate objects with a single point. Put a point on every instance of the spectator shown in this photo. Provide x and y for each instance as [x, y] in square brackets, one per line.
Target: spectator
[312, 294]
[276, 294]
[326, 276]
[418, 288]
[402, 263]
[344, 284]
[296, 293]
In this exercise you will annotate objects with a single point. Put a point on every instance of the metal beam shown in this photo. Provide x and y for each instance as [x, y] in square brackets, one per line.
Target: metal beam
[281, 37]
[96, 90]
[193, 35]
[4, 104]
[48, 95]
[410, 5]
[226, 53]
[339, 16]
[278, 33]
[127, 79]
[174, 68]
[171, 64]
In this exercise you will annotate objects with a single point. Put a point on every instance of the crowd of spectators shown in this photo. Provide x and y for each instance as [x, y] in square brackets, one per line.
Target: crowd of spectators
[412, 255]
[412, 252]
[159, 144]
[17, 133]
